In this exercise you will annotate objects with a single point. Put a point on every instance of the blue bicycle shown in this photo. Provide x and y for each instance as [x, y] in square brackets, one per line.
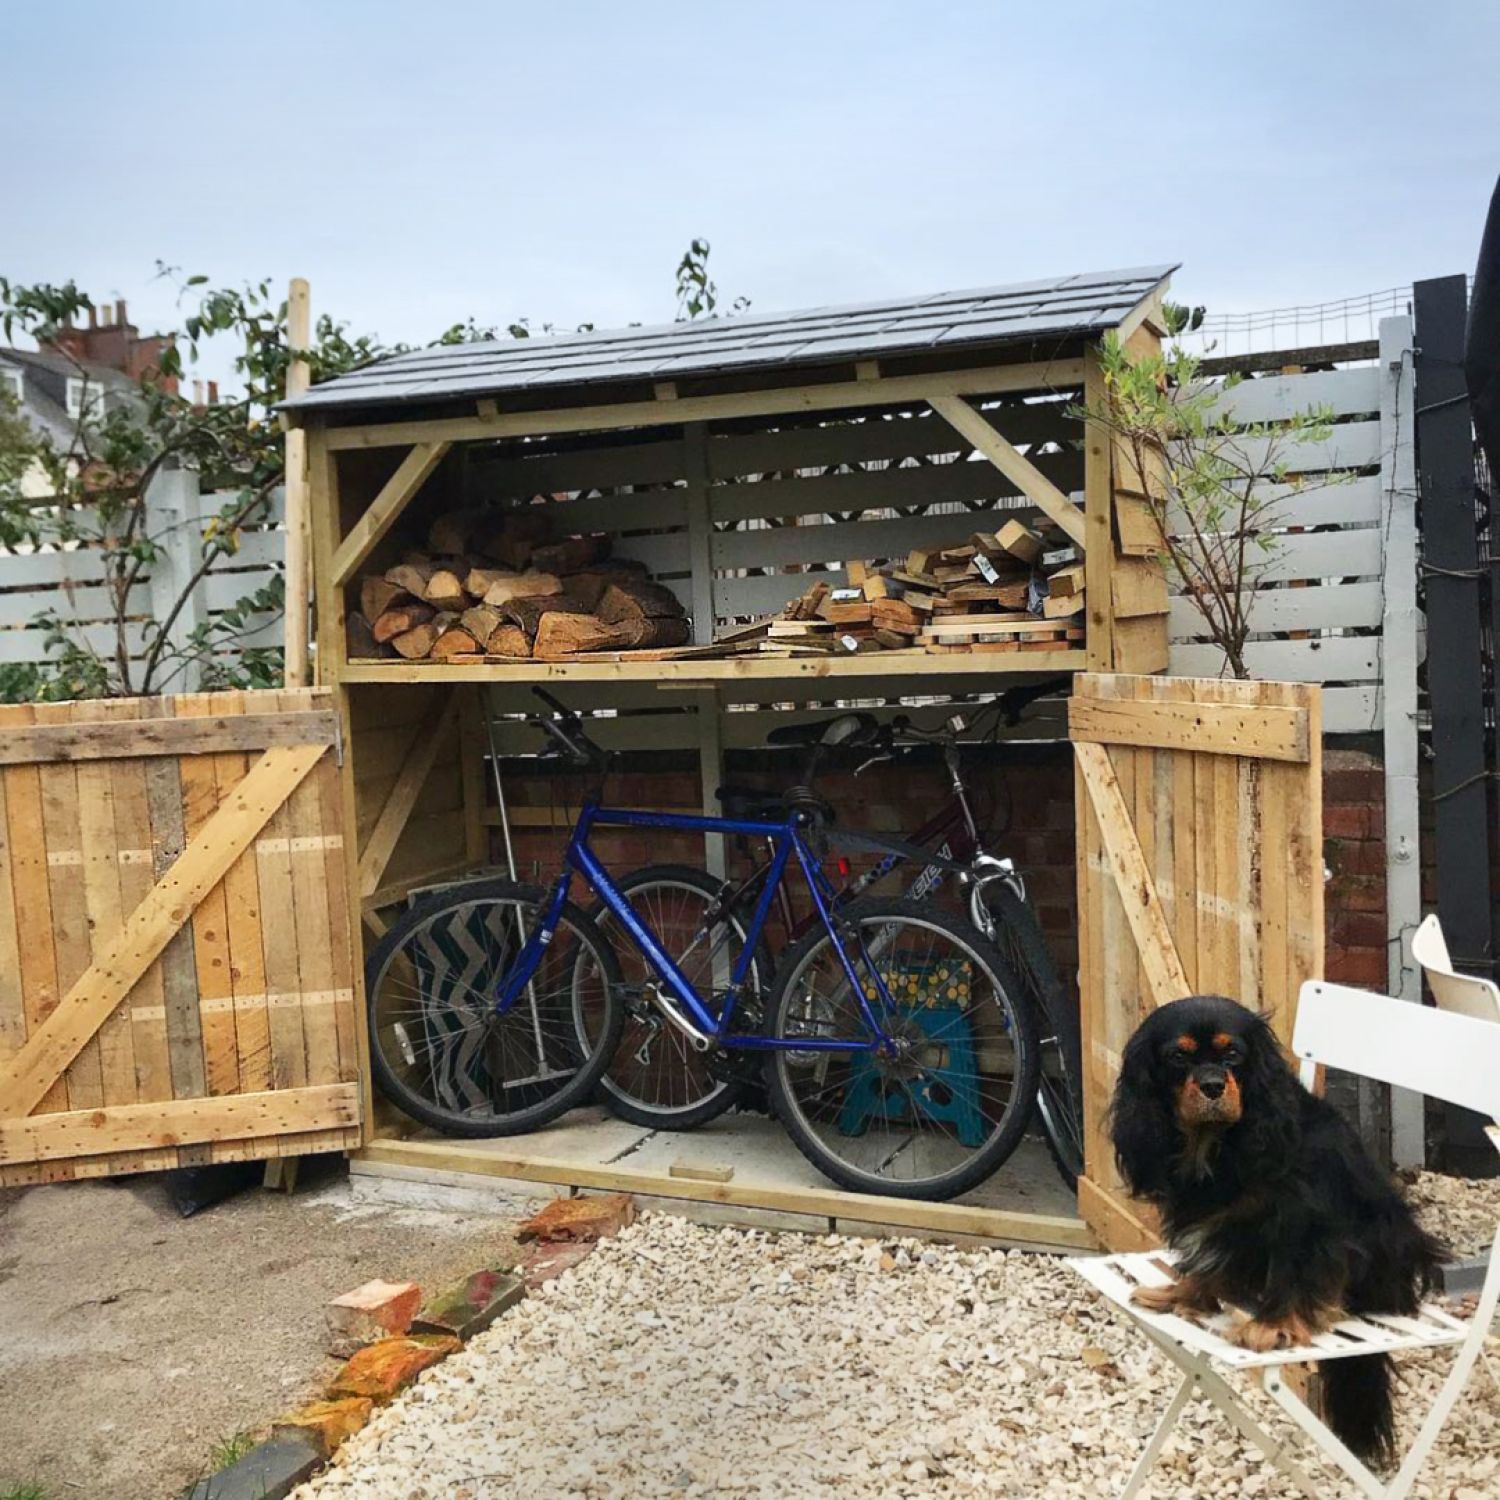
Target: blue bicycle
[894, 1040]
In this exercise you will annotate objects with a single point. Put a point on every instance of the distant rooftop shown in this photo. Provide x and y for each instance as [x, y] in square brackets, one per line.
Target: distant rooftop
[1054, 308]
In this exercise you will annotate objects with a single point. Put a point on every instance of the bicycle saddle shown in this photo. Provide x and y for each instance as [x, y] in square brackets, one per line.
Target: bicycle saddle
[843, 730]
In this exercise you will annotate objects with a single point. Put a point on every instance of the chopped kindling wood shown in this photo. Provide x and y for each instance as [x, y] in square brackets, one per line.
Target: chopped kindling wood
[993, 592]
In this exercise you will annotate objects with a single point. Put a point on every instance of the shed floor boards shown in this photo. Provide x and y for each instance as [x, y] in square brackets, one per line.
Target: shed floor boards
[1025, 1202]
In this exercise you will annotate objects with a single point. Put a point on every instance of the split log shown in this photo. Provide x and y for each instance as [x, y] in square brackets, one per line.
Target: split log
[482, 621]
[658, 631]
[565, 634]
[418, 643]
[638, 600]
[402, 618]
[445, 590]
[528, 611]
[478, 581]
[572, 555]
[376, 595]
[507, 640]
[588, 586]
[412, 575]
[453, 532]
[521, 586]
[360, 639]
[509, 551]
[454, 642]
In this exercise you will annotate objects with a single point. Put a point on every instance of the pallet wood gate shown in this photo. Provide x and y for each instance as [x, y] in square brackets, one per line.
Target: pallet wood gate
[1200, 871]
[176, 978]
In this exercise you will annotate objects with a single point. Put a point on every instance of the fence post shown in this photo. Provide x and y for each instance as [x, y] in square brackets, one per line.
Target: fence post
[1455, 681]
[1398, 634]
[174, 516]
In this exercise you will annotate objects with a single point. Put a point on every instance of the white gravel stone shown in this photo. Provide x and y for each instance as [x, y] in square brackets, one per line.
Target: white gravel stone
[681, 1361]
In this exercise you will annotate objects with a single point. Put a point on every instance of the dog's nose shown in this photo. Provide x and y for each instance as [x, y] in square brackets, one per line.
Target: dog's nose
[1211, 1085]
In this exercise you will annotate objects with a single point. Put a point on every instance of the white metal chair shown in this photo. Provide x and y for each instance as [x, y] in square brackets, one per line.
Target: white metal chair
[1462, 993]
[1447, 1055]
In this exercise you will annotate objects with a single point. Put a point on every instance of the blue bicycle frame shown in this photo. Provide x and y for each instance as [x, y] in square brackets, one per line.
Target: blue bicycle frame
[786, 839]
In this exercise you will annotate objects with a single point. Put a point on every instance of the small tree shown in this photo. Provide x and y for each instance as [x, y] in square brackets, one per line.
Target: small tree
[1212, 484]
[97, 483]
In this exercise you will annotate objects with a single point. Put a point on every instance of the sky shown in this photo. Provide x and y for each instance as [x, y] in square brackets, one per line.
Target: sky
[422, 163]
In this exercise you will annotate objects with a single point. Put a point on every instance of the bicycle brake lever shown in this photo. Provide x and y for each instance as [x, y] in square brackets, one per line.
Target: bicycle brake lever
[874, 760]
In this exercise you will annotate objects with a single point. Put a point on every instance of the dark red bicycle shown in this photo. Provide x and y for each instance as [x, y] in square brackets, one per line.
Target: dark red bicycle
[659, 1078]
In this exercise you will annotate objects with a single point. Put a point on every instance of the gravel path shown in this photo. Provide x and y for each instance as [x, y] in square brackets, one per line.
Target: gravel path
[684, 1361]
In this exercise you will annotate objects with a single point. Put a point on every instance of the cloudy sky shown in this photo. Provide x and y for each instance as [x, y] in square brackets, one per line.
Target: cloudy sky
[421, 162]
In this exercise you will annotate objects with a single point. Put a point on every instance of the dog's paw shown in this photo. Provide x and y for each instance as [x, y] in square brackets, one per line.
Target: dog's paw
[1156, 1298]
[1261, 1335]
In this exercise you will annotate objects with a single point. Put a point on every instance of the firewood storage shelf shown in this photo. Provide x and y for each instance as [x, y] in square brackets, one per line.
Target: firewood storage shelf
[737, 463]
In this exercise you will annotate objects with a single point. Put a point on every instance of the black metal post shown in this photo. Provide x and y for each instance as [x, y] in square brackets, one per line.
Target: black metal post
[1455, 682]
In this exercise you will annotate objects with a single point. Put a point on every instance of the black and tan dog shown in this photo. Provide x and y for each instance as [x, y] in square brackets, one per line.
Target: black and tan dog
[1271, 1199]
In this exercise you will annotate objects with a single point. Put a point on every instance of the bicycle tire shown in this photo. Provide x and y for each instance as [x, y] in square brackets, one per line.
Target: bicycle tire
[1059, 1104]
[536, 1107]
[620, 1085]
[1016, 1017]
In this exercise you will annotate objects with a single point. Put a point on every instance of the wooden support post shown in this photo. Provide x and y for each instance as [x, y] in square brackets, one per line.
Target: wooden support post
[700, 532]
[385, 510]
[1098, 512]
[298, 577]
[711, 770]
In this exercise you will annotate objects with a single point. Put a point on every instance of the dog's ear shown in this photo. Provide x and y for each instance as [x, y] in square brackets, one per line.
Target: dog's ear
[1141, 1123]
[1271, 1096]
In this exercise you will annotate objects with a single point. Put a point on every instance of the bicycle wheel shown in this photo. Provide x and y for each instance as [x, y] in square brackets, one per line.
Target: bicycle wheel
[1059, 1094]
[656, 1077]
[440, 1052]
[939, 1115]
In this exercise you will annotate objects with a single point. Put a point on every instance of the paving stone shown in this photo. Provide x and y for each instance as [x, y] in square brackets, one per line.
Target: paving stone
[472, 1305]
[328, 1422]
[579, 1219]
[269, 1471]
[376, 1310]
[382, 1369]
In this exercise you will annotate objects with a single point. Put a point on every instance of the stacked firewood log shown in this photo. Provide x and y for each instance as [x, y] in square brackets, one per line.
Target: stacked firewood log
[1017, 589]
[500, 584]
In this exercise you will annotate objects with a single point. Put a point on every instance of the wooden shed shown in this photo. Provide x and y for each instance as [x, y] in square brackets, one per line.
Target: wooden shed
[735, 460]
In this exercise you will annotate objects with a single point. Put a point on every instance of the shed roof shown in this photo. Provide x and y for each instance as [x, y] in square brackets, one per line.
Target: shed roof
[1055, 307]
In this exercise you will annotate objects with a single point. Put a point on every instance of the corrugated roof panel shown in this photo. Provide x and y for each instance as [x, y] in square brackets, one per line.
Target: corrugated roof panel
[993, 316]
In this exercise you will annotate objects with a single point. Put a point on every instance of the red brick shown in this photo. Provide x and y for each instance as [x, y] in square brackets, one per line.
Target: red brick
[1357, 929]
[544, 1263]
[1351, 821]
[329, 1423]
[1363, 786]
[382, 1370]
[1358, 966]
[1356, 893]
[579, 1220]
[376, 1310]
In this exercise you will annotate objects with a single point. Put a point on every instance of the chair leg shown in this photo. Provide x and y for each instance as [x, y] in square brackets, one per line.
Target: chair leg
[1471, 1350]
[1321, 1434]
[1224, 1396]
[1152, 1450]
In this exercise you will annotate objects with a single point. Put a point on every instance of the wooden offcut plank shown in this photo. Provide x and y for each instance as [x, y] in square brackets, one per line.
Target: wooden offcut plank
[28, 1076]
[1264, 733]
[206, 732]
[177, 1122]
[12, 994]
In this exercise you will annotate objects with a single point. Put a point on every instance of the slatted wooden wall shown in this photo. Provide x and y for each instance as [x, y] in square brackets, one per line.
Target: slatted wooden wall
[1200, 870]
[176, 980]
[1319, 608]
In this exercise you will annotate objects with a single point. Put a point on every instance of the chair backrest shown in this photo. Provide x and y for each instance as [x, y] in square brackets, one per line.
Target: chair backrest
[1435, 1052]
[1463, 993]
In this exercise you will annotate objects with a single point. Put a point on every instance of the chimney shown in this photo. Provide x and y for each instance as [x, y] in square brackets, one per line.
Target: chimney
[120, 315]
[197, 393]
[93, 316]
[213, 392]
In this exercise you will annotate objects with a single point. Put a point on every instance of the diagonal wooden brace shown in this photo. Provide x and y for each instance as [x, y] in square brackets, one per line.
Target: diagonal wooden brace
[26, 1077]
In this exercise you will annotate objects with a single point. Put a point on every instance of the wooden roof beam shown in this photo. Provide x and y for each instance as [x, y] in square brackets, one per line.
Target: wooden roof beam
[1036, 375]
[1016, 467]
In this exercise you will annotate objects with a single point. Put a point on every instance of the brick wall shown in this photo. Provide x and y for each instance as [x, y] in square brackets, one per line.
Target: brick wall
[1025, 795]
